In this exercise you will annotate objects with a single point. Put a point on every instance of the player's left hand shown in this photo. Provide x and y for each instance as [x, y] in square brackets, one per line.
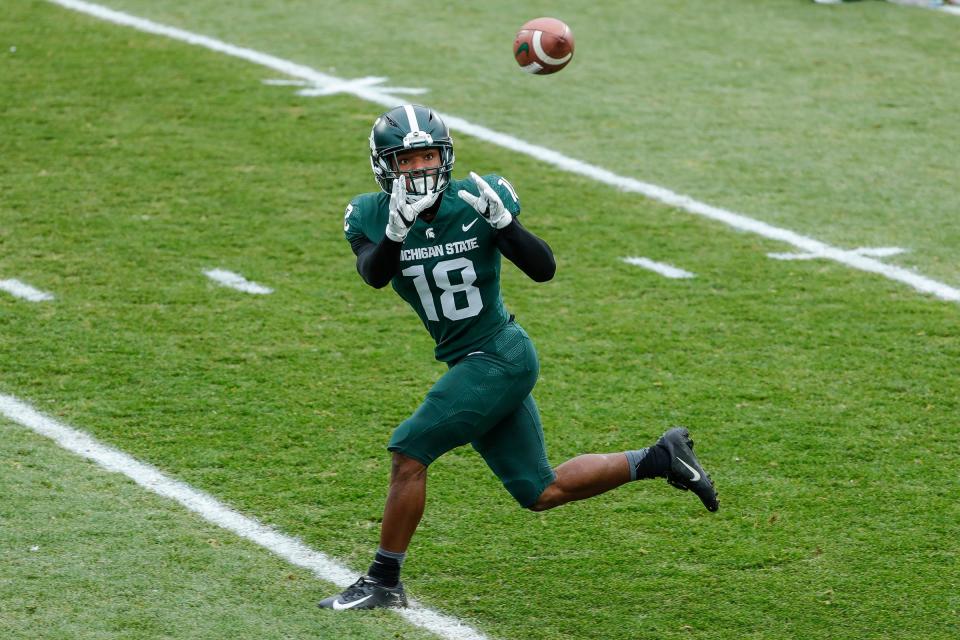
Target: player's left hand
[488, 204]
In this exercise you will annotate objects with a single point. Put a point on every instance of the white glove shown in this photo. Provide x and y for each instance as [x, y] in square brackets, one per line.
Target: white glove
[488, 204]
[402, 214]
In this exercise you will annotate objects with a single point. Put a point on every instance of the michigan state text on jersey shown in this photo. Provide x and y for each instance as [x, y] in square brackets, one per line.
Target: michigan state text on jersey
[440, 242]
[449, 266]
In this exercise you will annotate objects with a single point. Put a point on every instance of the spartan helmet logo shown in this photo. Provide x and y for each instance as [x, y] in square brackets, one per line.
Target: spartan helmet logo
[430, 234]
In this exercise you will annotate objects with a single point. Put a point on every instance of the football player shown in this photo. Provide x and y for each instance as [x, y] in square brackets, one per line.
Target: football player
[439, 242]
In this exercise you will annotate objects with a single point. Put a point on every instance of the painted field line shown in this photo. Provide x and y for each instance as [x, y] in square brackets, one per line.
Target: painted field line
[214, 511]
[652, 191]
[23, 290]
[666, 270]
[873, 252]
[236, 281]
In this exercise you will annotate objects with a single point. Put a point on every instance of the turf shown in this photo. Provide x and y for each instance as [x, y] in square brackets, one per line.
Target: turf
[834, 121]
[88, 554]
[823, 400]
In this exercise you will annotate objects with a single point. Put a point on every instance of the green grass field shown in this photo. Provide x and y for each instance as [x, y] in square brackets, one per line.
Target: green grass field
[823, 400]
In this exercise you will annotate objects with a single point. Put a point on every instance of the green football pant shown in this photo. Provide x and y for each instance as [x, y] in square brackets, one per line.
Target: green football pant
[484, 399]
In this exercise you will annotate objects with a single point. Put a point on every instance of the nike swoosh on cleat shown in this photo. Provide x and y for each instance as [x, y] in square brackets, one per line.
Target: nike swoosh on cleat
[466, 227]
[350, 605]
[696, 474]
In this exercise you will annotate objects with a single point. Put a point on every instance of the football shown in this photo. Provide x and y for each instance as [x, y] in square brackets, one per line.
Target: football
[543, 46]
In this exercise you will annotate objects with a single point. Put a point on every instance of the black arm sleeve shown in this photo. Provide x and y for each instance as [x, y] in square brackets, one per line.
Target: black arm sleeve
[377, 263]
[527, 251]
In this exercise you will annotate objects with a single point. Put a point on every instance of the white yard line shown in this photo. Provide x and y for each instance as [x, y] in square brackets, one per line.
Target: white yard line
[873, 252]
[25, 291]
[555, 158]
[879, 252]
[214, 511]
[666, 270]
[236, 281]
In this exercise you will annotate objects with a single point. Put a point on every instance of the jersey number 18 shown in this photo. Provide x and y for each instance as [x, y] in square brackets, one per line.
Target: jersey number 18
[448, 301]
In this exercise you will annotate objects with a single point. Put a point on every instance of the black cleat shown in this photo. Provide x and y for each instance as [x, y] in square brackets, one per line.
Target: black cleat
[685, 472]
[366, 593]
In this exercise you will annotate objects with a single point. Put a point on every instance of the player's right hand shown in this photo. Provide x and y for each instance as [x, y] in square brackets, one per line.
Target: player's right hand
[402, 213]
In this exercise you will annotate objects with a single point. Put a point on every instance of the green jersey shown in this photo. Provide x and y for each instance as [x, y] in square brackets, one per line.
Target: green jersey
[449, 267]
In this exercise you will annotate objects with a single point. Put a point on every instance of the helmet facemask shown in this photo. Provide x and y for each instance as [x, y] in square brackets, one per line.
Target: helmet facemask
[425, 181]
[419, 182]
